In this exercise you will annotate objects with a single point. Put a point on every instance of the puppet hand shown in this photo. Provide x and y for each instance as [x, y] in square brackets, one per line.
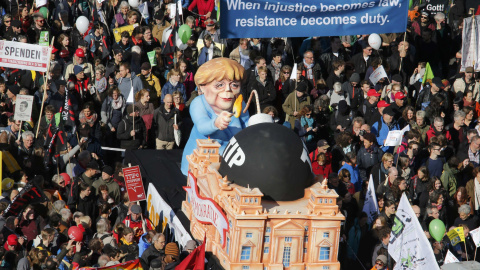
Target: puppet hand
[223, 120]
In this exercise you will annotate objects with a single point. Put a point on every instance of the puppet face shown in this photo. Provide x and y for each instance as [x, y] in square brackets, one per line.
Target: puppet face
[221, 94]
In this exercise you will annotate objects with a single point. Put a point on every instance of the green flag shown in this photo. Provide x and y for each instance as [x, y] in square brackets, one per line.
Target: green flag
[410, 4]
[428, 74]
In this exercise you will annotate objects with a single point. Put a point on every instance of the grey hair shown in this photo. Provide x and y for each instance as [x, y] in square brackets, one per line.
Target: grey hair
[190, 19]
[56, 178]
[78, 214]
[157, 236]
[459, 114]
[359, 119]
[100, 68]
[123, 4]
[420, 114]
[392, 169]
[66, 214]
[464, 209]
[439, 16]
[337, 87]
[438, 120]
[102, 226]
[103, 260]
[26, 134]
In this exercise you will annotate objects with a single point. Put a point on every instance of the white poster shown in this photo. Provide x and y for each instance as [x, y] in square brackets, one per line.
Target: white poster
[450, 258]
[40, 3]
[476, 236]
[23, 108]
[405, 129]
[24, 56]
[408, 245]
[394, 138]
[378, 74]
[470, 41]
[157, 207]
[370, 205]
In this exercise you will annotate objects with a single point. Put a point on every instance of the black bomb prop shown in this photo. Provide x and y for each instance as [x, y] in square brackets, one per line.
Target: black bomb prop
[271, 157]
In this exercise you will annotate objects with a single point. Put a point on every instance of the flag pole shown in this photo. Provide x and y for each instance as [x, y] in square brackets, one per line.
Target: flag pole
[45, 80]
[466, 253]
[401, 58]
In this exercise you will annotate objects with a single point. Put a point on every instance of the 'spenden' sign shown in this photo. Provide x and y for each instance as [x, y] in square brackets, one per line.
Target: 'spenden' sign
[24, 56]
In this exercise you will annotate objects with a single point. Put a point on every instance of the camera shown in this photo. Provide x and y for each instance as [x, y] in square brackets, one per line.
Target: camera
[362, 132]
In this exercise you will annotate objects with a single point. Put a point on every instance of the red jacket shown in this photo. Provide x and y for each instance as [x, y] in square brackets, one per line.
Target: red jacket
[137, 224]
[432, 133]
[323, 170]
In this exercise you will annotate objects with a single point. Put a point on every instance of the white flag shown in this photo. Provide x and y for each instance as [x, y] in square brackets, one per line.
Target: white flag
[180, 8]
[144, 10]
[371, 206]
[476, 236]
[378, 74]
[294, 72]
[408, 245]
[405, 129]
[450, 258]
[130, 96]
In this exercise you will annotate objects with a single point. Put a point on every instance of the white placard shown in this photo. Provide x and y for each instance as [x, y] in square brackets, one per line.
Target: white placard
[394, 138]
[173, 10]
[24, 56]
[100, 1]
[40, 3]
[378, 74]
[476, 236]
[450, 258]
[180, 8]
[405, 129]
[23, 108]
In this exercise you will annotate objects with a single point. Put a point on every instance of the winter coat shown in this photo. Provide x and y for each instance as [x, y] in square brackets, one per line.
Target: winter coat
[123, 133]
[433, 133]
[360, 64]
[150, 254]
[107, 110]
[449, 179]
[142, 244]
[125, 84]
[163, 122]
[203, 56]
[354, 175]
[113, 188]
[366, 160]
[379, 174]
[293, 103]
[266, 93]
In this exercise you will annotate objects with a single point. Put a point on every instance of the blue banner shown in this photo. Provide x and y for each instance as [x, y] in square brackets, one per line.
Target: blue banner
[307, 18]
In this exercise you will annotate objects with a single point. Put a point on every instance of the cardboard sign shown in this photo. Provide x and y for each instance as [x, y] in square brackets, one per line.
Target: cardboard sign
[476, 236]
[24, 56]
[117, 32]
[23, 108]
[394, 138]
[134, 184]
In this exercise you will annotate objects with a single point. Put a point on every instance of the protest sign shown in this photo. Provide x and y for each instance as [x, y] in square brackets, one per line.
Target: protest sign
[377, 75]
[460, 233]
[117, 32]
[454, 237]
[434, 6]
[30, 194]
[24, 56]
[370, 206]
[307, 18]
[134, 183]
[394, 138]
[408, 245]
[151, 58]
[40, 3]
[476, 236]
[450, 258]
[23, 108]
[470, 47]
[44, 39]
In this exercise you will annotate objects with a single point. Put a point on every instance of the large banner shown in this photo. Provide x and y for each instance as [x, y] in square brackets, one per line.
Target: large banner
[24, 56]
[306, 18]
[130, 265]
[161, 214]
[30, 194]
[470, 47]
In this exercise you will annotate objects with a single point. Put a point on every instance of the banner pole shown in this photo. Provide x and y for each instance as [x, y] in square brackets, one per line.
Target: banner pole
[401, 58]
[466, 253]
[45, 80]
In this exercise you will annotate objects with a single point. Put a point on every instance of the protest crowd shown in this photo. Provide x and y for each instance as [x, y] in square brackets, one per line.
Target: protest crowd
[123, 83]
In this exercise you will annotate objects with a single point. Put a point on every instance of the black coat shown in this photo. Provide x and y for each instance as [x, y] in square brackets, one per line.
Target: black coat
[150, 254]
[123, 133]
[163, 122]
[379, 174]
[366, 160]
[360, 64]
[266, 93]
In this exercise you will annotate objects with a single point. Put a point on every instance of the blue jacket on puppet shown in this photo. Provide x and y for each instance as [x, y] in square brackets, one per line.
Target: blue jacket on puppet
[203, 118]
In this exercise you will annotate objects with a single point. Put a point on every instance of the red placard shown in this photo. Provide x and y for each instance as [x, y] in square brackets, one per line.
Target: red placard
[134, 184]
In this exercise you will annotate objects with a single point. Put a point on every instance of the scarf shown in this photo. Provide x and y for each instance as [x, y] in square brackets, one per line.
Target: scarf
[174, 84]
[277, 68]
[309, 69]
[117, 103]
[307, 122]
[477, 194]
[244, 56]
[90, 120]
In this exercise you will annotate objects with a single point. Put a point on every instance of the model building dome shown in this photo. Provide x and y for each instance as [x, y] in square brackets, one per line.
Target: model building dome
[271, 157]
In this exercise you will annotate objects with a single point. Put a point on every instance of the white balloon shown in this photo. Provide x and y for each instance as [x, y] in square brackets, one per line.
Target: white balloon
[82, 24]
[375, 41]
[133, 3]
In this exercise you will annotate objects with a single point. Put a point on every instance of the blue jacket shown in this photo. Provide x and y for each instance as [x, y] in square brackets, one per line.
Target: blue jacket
[354, 176]
[203, 118]
[142, 245]
[383, 132]
[168, 88]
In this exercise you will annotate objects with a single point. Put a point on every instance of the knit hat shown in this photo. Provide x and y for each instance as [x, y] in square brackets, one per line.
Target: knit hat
[93, 165]
[389, 111]
[355, 78]
[172, 249]
[342, 107]
[156, 264]
[77, 69]
[13, 88]
[146, 66]
[108, 170]
[397, 78]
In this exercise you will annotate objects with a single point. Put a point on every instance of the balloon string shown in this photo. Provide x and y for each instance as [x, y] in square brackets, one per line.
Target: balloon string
[250, 99]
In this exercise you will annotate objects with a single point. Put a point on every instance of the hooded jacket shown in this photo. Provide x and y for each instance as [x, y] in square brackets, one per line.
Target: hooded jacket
[125, 84]
[449, 179]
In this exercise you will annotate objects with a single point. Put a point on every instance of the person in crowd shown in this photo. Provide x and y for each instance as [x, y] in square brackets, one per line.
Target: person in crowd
[166, 119]
[131, 130]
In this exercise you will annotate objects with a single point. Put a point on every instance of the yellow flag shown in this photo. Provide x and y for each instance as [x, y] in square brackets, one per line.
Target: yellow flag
[454, 237]
[460, 233]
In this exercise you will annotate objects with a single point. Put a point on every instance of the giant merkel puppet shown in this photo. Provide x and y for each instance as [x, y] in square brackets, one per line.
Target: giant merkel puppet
[219, 81]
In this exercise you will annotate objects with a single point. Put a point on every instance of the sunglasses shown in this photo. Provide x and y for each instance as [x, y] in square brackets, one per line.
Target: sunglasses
[41, 21]
[308, 114]
[8, 21]
[286, 72]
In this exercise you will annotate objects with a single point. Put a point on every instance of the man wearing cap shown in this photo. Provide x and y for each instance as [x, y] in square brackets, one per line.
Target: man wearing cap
[467, 82]
[398, 105]
[79, 59]
[16, 31]
[383, 126]
[154, 251]
[38, 25]
[322, 147]
[160, 24]
[295, 102]
[150, 82]
[107, 179]
[211, 30]
[369, 106]
[429, 91]
[136, 221]
[362, 60]
[132, 136]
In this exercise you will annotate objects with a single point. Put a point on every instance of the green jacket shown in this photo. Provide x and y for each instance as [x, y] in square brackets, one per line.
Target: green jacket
[291, 102]
[113, 188]
[449, 181]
